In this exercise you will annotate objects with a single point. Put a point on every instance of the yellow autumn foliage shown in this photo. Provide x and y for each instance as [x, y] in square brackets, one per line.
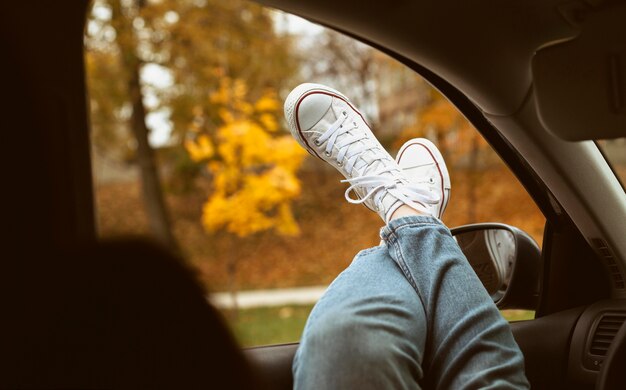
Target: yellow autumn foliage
[200, 149]
[267, 103]
[253, 165]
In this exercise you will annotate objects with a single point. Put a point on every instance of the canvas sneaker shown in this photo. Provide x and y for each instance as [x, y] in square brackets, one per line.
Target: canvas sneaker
[328, 126]
[423, 164]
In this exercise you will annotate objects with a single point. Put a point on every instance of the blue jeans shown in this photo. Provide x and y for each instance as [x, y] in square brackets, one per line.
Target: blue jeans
[408, 314]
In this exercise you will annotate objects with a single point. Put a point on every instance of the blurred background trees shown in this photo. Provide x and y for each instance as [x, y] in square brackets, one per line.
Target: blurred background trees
[126, 38]
[114, 36]
[190, 146]
[253, 168]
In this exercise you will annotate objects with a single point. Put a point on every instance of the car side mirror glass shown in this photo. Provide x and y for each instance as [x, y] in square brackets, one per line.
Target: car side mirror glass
[506, 260]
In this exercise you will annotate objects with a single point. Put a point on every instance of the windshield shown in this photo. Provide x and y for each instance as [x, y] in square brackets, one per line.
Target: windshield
[615, 153]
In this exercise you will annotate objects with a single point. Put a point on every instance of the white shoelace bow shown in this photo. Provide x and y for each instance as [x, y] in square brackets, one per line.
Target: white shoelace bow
[377, 184]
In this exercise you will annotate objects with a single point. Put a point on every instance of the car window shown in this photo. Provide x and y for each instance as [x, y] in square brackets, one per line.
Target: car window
[615, 153]
[190, 146]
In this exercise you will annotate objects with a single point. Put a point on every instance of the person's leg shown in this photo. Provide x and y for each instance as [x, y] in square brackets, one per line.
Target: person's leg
[410, 312]
[407, 314]
[469, 343]
[368, 331]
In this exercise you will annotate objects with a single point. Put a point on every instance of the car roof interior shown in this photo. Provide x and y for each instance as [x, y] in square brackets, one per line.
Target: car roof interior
[535, 47]
[494, 60]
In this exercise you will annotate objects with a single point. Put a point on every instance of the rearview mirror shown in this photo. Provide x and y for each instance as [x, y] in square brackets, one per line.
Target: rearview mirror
[506, 260]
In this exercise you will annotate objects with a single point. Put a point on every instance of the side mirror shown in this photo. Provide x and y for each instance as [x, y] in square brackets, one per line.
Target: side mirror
[506, 260]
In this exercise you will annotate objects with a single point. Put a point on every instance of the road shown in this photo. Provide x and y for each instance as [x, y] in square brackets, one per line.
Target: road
[264, 298]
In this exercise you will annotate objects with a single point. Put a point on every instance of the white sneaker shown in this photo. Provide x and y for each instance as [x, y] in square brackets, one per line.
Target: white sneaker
[423, 163]
[328, 126]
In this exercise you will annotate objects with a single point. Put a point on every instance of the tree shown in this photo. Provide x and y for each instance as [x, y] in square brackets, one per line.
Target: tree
[124, 45]
[252, 165]
[459, 142]
[123, 20]
[207, 41]
[347, 65]
[197, 43]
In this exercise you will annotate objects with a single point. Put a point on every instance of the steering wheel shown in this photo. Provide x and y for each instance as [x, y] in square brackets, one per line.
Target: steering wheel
[612, 375]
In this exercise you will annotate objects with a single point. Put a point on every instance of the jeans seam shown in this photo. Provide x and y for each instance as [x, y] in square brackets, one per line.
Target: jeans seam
[414, 224]
[388, 230]
[402, 263]
[393, 241]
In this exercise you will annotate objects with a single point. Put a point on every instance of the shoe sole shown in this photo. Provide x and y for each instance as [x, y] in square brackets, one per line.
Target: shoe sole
[439, 162]
[292, 103]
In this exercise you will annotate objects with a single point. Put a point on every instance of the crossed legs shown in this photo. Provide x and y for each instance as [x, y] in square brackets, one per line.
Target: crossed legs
[408, 314]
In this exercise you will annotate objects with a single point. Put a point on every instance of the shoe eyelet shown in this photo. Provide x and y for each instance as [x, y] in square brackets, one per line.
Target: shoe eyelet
[327, 154]
[431, 180]
[344, 113]
[354, 123]
[339, 164]
[317, 142]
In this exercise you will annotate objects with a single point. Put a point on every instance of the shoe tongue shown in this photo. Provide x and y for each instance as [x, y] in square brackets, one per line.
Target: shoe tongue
[368, 163]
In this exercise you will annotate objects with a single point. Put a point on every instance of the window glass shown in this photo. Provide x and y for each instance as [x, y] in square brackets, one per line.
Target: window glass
[186, 107]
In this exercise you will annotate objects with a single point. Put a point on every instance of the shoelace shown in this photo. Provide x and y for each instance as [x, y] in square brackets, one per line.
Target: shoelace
[413, 195]
[375, 184]
[350, 149]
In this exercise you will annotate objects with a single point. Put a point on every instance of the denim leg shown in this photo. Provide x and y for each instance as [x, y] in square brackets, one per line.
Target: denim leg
[368, 331]
[408, 314]
[469, 344]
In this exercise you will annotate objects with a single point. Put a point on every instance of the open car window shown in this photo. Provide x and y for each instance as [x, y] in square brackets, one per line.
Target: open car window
[190, 146]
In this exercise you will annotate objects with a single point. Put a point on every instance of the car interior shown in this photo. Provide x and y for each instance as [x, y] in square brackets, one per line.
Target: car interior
[540, 80]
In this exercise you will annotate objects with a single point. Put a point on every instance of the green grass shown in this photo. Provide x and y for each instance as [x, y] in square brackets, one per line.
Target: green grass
[275, 325]
[269, 325]
[518, 315]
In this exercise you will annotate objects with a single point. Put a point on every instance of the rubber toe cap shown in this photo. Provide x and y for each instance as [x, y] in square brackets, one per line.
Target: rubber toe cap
[312, 109]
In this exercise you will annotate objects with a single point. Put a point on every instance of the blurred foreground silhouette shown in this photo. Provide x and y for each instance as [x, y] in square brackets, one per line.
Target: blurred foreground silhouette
[119, 315]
